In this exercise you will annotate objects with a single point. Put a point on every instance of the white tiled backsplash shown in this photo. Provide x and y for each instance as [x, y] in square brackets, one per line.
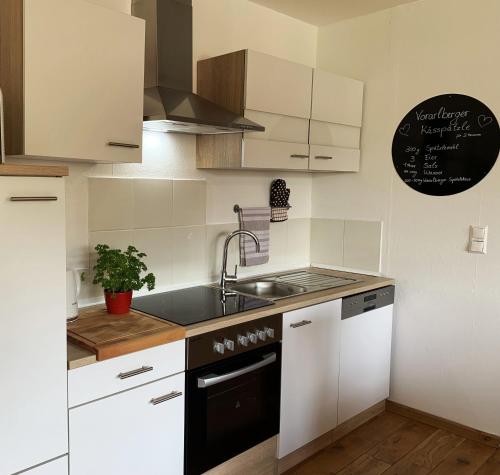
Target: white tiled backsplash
[349, 244]
[167, 220]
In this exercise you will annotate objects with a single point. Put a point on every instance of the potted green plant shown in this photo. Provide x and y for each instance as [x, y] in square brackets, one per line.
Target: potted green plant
[119, 274]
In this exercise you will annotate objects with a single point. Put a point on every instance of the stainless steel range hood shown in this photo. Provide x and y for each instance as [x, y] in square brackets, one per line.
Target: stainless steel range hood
[169, 103]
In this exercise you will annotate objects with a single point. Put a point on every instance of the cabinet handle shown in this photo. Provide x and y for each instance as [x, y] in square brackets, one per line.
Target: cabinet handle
[300, 324]
[125, 145]
[135, 372]
[166, 397]
[323, 157]
[298, 155]
[33, 198]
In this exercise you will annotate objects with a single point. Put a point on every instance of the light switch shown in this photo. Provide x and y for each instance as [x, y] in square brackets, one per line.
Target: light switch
[479, 233]
[477, 246]
[478, 239]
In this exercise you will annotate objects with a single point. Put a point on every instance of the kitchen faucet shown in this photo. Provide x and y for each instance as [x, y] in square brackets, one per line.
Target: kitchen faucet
[224, 275]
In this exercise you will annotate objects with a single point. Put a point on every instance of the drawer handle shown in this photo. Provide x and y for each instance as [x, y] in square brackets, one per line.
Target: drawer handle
[298, 155]
[323, 157]
[300, 324]
[33, 198]
[166, 397]
[125, 145]
[135, 372]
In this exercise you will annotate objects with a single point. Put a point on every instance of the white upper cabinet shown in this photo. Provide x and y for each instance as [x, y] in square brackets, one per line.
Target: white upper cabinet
[335, 126]
[83, 73]
[312, 117]
[337, 99]
[277, 86]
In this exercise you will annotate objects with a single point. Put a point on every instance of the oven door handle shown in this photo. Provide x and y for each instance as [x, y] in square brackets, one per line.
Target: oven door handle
[216, 379]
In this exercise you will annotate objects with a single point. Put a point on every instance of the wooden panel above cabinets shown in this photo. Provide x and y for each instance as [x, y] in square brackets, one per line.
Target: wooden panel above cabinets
[222, 80]
[71, 92]
[11, 73]
[308, 115]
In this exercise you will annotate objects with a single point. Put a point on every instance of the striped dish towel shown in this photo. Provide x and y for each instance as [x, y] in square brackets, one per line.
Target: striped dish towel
[257, 221]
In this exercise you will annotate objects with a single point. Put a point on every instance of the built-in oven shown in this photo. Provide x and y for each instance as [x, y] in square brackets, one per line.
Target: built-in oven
[233, 385]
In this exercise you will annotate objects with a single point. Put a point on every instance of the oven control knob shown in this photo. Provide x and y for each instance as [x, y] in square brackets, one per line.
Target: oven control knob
[269, 332]
[243, 340]
[219, 348]
[252, 337]
[262, 335]
[229, 344]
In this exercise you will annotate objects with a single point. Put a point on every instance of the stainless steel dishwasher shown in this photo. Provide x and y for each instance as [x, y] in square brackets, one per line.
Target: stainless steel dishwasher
[365, 351]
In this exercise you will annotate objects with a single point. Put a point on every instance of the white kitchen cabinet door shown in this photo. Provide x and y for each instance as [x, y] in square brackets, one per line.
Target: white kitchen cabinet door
[337, 99]
[56, 467]
[365, 361]
[309, 382]
[283, 128]
[33, 395]
[278, 86]
[84, 81]
[140, 431]
[334, 135]
[261, 154]
[335, 159]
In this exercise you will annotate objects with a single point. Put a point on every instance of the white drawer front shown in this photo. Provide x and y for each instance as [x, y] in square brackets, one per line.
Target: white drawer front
[274, 154]
[137, 432]
[335, 159]
[336, 135]
[283, 128]
[111, 376]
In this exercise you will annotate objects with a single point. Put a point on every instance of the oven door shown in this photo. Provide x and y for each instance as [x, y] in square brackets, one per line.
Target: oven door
[232, 405]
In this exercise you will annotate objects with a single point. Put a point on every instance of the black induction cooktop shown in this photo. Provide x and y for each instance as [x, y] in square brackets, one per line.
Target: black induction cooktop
[196, 304]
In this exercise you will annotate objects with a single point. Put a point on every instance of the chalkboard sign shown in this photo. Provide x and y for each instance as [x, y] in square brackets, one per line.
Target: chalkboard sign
[446, 144]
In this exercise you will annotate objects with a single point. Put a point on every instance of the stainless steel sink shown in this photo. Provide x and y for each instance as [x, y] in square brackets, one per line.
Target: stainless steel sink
[268, 289]
[289, 284]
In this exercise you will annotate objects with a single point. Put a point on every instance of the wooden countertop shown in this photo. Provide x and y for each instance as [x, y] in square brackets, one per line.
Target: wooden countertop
[79, 357]
[10, 169]
[106, 336]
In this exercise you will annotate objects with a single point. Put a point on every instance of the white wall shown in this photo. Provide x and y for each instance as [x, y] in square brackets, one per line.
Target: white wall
[222, 26]
[447, 325]
[219, 26]
[120, 5]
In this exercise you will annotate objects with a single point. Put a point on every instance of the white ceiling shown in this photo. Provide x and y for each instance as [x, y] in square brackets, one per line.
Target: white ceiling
[324, 12]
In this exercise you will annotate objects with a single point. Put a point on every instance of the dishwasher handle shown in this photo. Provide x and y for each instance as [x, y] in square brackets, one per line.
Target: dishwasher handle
[213, 379]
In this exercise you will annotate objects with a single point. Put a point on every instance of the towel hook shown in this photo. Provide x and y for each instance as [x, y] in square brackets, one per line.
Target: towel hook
[236, 208]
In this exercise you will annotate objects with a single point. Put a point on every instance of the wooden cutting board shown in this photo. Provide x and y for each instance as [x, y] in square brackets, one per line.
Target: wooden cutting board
[109, 336]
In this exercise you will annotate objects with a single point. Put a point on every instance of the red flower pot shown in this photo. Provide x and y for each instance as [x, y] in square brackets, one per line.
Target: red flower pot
[118, 303]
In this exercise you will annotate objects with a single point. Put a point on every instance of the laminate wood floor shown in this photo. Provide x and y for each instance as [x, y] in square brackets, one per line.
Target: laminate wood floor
[395, 445]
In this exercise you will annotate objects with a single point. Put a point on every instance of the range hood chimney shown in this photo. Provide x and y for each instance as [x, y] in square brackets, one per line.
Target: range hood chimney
[169, 103]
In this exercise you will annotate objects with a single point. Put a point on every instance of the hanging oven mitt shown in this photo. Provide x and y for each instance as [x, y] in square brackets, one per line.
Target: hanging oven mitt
[279, 201]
